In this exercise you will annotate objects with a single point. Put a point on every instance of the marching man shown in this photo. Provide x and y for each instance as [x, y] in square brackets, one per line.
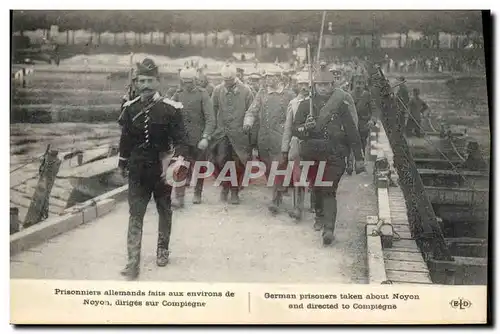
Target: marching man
[150, 125]
[231, 99]
[269, 110]
[199, 122]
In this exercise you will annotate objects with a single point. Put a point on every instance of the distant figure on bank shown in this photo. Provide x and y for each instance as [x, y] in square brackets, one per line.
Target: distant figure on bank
[417, 109]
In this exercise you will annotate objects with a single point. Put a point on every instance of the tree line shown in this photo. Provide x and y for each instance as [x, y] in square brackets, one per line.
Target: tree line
[252, 22]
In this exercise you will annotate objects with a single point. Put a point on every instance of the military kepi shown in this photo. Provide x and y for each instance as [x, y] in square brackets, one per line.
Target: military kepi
[147, 67]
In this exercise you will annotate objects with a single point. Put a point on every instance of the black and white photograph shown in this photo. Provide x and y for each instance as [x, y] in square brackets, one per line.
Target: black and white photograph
[250, 146]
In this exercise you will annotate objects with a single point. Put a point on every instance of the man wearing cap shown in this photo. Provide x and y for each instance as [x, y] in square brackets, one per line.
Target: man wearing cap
[417, 108]
[254, 81]
[171, 91]
[231, 99]
[199, 122]
[342, 90]
[150, 125]
[240, 74]
[290, 144]
[269, 110]
[203, 82]
[365, 107]
[326, 132]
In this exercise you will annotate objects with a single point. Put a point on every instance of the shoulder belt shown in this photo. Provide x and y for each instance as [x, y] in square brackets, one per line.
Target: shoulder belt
[175, 104]
[129, 103]
[326, 118]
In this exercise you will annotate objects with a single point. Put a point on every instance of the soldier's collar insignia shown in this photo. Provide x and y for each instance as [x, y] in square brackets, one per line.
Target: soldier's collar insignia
[156, 97]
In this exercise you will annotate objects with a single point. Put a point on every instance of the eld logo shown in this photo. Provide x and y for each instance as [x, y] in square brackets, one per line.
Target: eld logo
[460, 303]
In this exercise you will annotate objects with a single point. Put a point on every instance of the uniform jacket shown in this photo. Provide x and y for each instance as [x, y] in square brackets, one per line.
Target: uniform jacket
[364, 108]
[335, 125]
[198, 113]
[404, 95]
[417, 106]
[341, 95]
[269, 108]
[230, 107]
[209, 88]
[290, 143]
[148, 131]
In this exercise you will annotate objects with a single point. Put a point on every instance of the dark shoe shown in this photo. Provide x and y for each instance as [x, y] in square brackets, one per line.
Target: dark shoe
[130, 272]
[296, 214]
[197, 198]
[178, 203]
[318, 224]
[273, 208]
[328, 237]
[235, 199]
[349, 171]
[162, 257]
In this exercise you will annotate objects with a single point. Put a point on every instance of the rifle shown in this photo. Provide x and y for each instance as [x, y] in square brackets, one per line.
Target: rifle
[311, 85]
[131, 86]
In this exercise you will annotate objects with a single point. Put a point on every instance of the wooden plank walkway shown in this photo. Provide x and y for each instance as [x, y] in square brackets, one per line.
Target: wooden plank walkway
[403, 261]
[24, 181]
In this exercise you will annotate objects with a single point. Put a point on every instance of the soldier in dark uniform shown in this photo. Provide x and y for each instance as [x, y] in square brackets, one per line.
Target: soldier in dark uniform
[326, 135]
[199, 120]
[403, 99]
[150, 125]
[365, 108]
[417, 108]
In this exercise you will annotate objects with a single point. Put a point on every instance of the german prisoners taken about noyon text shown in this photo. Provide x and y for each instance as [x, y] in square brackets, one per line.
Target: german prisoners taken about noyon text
[250, 146]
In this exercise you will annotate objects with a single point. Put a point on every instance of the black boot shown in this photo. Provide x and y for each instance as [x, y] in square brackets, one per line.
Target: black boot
[328, 237]
[197, 191]
[235, 199]
[162, 257]
[131, 272]
[134, 241]
[318, 223]
[164, 230]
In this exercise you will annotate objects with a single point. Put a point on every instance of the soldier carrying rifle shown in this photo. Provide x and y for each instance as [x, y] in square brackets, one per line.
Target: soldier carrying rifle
[327, 130]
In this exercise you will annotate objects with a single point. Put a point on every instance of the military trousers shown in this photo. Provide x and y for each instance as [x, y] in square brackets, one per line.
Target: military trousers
[364, 133]
[193, 155]
[268, 157]
[223, 153]
[145, 180]
[325, 197]
[413, 127]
